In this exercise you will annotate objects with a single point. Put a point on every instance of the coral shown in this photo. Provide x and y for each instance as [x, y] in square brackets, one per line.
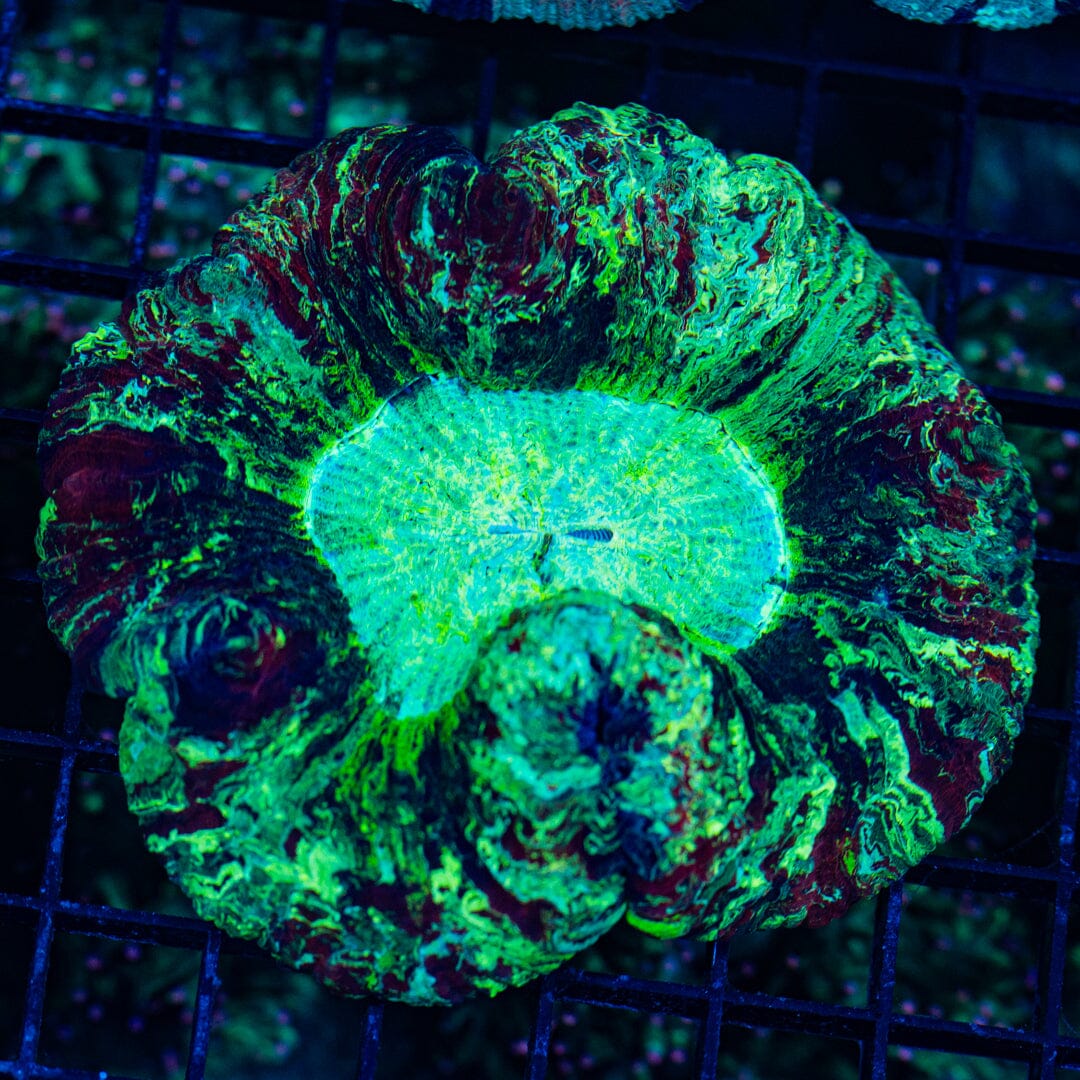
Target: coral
[595, 14]
[567, 14]
[991, 14]
[491, 553]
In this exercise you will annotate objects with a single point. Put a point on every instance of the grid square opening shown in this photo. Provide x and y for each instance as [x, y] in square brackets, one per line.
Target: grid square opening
[26, 788]
[907, 1063]
[1024, 170]
[33, 667]
[193, 199]
[67, 55]
[105, 858]
[969, 957]
[223, 56]
[118, 1006]
[905, 153]
[763, 1053]
[67, 198]
[17, 948]
[827, 963]
[269, 1021]
[738, 115]
[589, 1040]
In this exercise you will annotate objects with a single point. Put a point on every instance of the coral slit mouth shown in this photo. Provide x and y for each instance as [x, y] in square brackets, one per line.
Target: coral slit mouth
[487, 501]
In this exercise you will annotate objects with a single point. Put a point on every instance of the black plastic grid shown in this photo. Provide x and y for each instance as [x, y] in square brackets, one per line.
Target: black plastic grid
[806, 66]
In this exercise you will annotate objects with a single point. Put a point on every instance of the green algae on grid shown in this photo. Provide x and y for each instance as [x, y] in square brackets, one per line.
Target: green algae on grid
[492, 553]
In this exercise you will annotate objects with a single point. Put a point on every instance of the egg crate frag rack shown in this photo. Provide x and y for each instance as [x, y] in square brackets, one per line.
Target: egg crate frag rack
[717, 1004]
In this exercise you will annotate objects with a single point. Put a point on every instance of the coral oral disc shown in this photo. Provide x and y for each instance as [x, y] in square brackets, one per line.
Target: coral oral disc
[487, 501]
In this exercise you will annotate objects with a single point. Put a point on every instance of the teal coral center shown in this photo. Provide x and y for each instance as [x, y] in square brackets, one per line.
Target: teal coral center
[454, 506]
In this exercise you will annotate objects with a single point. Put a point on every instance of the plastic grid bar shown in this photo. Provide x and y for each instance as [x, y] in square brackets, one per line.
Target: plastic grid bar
[717, 1005]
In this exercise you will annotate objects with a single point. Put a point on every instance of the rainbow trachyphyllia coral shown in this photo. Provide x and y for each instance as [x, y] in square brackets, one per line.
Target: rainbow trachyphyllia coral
[491, 553]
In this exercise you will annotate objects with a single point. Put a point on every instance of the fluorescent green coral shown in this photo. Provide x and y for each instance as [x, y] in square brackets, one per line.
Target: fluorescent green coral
[493, 552]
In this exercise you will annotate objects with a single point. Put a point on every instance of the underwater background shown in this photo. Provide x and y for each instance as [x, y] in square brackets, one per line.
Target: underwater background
[956, 150]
